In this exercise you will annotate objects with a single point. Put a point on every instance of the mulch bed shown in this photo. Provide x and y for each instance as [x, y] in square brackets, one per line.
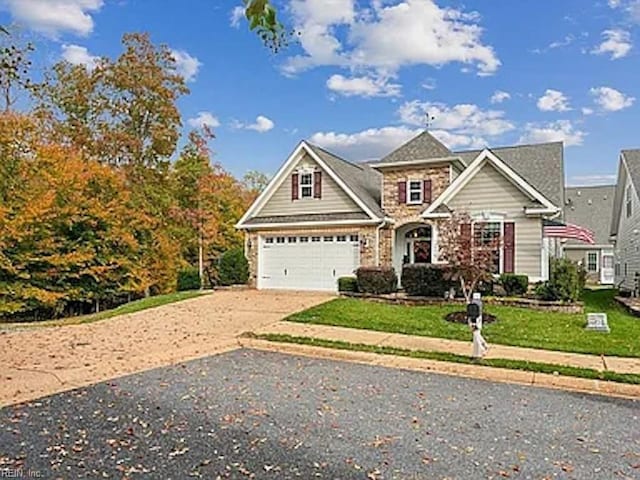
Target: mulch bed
[461, 317]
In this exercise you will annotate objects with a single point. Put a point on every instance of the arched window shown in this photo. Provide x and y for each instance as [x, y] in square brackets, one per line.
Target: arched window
[420, 232]
[418, 245]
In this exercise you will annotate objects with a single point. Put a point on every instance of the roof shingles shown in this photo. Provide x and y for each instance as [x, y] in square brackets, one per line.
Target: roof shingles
[591, 207]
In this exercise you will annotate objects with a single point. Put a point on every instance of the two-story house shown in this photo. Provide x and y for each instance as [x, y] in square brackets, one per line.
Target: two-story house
[321, 217]
[625, 223]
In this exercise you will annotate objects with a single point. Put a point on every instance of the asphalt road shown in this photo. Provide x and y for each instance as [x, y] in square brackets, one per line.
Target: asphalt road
[250, 414]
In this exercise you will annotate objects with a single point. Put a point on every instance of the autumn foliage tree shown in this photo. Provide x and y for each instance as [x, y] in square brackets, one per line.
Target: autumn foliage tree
[470, 255]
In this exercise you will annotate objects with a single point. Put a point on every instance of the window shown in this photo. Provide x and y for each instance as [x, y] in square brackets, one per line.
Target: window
[328, 238]
[415, 191]
[487, 236]
[353, 238]
[304, 239]
[628, 200]
[592, 262]
[617, 269]
[306, 185]
[341, 238]
[268, 240]
[279, 239]
[315, 239]
[292, 239]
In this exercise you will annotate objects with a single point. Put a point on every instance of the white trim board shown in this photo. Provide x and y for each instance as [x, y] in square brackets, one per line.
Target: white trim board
[329, 223]
[283, 174]
[480, 161]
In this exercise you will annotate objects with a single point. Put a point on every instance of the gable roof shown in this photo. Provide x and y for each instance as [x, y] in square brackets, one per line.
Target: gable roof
[541, 165]
[629, 164]
[590, 207]
[363, 180]
[542, 204]
[356, 181]
[421, 147]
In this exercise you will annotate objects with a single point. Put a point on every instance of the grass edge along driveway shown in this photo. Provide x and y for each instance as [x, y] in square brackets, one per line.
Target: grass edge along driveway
[519, 327]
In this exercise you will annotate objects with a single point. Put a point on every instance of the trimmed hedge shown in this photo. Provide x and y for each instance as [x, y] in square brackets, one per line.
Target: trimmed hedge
[425, 280]
[347, 284]
[514, 285]
[233, 268]
[188, 279]
[377, 280]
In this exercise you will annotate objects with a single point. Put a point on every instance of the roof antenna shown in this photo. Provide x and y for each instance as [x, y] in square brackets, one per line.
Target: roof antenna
[428, 120]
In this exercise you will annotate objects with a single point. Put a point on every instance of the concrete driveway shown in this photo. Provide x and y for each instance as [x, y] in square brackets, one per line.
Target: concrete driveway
[35, 362]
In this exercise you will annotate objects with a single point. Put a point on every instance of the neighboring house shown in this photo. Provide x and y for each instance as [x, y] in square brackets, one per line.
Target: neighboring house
[625, 224]
[592, 207]
[321, 217]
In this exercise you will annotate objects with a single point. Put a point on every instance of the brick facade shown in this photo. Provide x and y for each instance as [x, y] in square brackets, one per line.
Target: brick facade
[401, 212]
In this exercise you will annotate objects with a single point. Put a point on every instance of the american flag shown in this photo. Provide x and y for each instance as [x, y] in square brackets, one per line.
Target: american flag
[568, 230]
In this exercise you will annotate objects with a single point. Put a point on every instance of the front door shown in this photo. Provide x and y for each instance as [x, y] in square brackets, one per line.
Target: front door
[607, 269]
[421, 251]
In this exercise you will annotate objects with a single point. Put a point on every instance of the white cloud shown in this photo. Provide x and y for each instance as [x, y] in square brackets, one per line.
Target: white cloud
[611, 100]
[262, 124]
[237, 14]
[499, 96]
[587, 111]
[553, 101]
[429, 84]
[560, 130]
[204, 119]
[186, 65]
[363, 86]
[616, 42]
[630, 7]
[77, 55]
[367, 144]
[466, 119]
[53, 17]
[596, 179]
[387, 37]
[374, 143]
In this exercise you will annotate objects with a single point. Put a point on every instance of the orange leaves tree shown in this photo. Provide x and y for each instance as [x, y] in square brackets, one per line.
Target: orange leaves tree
[471, 255]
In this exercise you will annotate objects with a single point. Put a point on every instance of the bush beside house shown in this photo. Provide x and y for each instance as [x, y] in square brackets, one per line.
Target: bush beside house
[425, 280]
[514, 285]
[233, 268]
[566, 282]
[347, 284]
[376, 280]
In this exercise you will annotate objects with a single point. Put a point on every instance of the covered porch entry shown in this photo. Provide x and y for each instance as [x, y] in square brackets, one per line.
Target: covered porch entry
[414, 243]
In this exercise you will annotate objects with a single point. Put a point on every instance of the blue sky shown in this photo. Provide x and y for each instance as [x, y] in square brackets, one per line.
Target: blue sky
[363, 73]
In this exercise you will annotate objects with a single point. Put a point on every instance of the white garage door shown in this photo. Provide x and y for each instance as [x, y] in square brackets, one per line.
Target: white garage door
[307, 262]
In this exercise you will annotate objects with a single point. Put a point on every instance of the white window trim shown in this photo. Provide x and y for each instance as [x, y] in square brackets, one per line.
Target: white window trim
[421, 192]
[491, 219]
[300, 185]
[597, 262]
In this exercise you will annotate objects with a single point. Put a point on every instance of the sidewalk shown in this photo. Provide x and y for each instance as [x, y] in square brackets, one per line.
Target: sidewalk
[431, 344]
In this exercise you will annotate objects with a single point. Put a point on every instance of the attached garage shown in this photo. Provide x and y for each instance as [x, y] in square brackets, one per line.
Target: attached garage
[307, 262]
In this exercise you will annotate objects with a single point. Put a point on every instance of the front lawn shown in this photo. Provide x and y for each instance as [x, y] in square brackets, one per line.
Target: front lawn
[515, 326]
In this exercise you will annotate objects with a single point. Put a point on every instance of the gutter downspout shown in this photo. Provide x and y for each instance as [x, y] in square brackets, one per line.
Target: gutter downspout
[378, 228]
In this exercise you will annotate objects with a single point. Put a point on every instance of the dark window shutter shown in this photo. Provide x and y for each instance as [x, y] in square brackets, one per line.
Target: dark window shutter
[509, 247]
[426, 191]
[402, 192]
[294, 186]
[317, 184]
[465, 233]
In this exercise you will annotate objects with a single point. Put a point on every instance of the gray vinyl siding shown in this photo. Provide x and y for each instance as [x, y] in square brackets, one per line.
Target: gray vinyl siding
[334, 199]
[627, 248]
[489, 191]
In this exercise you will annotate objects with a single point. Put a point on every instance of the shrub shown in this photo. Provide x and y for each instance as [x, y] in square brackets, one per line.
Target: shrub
[188, 279]
[565, 283]
[347, 284]
[514, 285]
[425, 280]
[233, 268]
[376, 280]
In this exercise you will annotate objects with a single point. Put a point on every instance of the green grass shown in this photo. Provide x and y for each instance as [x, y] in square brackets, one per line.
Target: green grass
[537, 367]
[515, 326]
[131, 307]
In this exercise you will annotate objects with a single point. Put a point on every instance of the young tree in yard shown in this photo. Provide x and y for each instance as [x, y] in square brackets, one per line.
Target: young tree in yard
[255, 182]
[470, 253]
